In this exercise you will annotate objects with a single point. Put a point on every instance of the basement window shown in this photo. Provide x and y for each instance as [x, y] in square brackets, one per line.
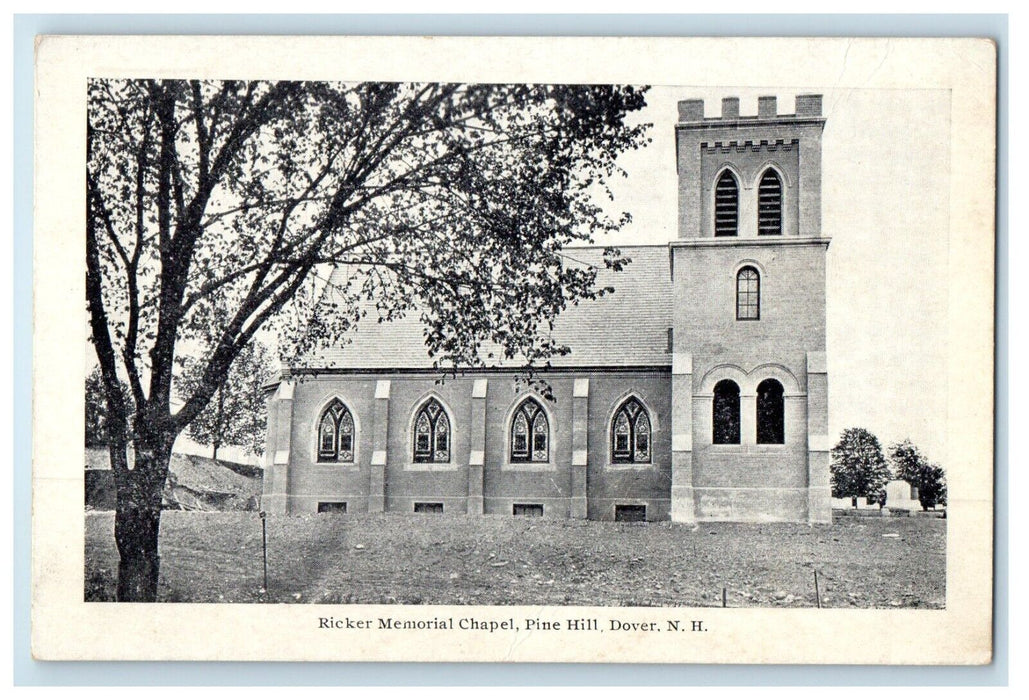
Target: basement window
[428, 507]
[530, 510]
[332, 507]
[630, 514]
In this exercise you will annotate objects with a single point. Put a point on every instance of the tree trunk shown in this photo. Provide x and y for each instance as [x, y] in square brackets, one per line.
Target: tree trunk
[214, 453]
[137, 522]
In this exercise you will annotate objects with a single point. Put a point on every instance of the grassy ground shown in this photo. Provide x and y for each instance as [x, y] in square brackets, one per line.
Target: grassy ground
[498, 560]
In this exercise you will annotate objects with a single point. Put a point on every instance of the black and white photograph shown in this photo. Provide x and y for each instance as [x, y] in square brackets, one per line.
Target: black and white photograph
[491, 363]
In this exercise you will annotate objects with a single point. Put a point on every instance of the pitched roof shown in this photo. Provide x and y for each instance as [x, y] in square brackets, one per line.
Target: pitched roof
[627, 328]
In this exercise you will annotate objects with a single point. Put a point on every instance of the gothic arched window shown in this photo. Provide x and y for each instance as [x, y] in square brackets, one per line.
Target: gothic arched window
[769, 204]
[725, 418]
[727, 205]
[530, 433]
[770, 413]
[630, 433]
[336, 434]
[748, 295]
[431, 433]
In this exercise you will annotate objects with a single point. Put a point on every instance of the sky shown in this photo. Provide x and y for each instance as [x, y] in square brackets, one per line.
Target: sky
[885, 204]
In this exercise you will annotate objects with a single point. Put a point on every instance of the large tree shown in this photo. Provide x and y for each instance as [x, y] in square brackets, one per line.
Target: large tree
[858, 468]
[237, 412]
[212, 199]
[913, 467]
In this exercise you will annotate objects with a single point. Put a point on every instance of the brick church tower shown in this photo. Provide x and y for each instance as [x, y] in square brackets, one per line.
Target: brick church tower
[749, 384]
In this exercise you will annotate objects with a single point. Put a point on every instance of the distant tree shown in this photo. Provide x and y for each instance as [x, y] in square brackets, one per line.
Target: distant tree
[96, 408]
[912, 466]
[858, 468]
[236, 413]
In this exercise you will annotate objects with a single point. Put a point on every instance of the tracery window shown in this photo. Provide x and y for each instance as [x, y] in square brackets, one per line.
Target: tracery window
[530, 433]
[727, 205]
[630, 433]
[725, 418]
[770, 414]
[769, 204]
[431, 433]
[336, 434]
[748, 295]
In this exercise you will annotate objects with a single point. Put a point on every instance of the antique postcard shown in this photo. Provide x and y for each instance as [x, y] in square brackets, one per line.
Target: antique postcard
[514, 349]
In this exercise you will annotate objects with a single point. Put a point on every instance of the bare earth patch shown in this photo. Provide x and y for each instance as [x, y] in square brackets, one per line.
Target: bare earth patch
[500, 560]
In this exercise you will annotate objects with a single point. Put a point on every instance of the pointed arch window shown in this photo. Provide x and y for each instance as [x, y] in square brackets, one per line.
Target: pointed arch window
[748, 294]
[630, 434]
[769, 204]
[336, 433]
[431, 433]
[727, 205]
[725, 411]
[770, 413]
[530, 433]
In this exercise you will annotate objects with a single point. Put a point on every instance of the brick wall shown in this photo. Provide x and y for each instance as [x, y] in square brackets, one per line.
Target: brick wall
[462, 484]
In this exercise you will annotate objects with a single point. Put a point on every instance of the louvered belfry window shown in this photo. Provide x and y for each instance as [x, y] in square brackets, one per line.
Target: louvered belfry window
[769, 204]
[431, 433]
[727, 205]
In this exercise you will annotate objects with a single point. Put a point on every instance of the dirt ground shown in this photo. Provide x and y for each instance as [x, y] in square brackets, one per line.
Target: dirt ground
[499, 560]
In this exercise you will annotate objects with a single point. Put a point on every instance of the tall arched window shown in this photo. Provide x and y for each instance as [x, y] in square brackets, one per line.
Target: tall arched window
[725, 416]
[770, 414]
[748, 294]
[336, 434]
[431, 433]
[530, 433]
[727, 205]
[630, 433]
[769, 204]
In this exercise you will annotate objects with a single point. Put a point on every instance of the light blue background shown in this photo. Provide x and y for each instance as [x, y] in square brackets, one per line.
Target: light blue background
[29, 672]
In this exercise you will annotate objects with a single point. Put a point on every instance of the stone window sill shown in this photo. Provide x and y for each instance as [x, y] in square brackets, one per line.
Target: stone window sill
[528, 467]
[630, 466]
[431, 467]
[346, 466]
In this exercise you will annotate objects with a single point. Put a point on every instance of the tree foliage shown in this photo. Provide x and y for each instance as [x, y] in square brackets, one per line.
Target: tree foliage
[237, 412]
[858, 467]
[213, 208]
[913, 467]
[96, 408]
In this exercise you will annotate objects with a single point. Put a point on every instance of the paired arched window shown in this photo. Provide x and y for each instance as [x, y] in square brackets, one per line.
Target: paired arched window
[630, 433]
[726, 413]
[530, 433]
[725, 410]
[748, 294]
[336, 434]
[770, 413]
[769, 204]
[727, 205]
[431, 433]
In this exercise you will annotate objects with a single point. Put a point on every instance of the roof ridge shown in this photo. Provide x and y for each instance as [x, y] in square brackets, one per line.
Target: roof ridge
[615, 245]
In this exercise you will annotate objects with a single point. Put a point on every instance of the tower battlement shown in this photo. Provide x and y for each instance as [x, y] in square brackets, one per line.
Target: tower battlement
[740, 175]
[807, 106]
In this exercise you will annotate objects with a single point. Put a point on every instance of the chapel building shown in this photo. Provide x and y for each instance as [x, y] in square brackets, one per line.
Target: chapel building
[697, 391]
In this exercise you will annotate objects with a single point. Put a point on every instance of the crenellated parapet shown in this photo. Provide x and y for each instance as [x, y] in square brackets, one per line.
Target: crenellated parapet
[807, 106]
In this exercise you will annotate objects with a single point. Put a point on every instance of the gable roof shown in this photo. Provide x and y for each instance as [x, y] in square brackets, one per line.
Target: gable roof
[626, 328]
